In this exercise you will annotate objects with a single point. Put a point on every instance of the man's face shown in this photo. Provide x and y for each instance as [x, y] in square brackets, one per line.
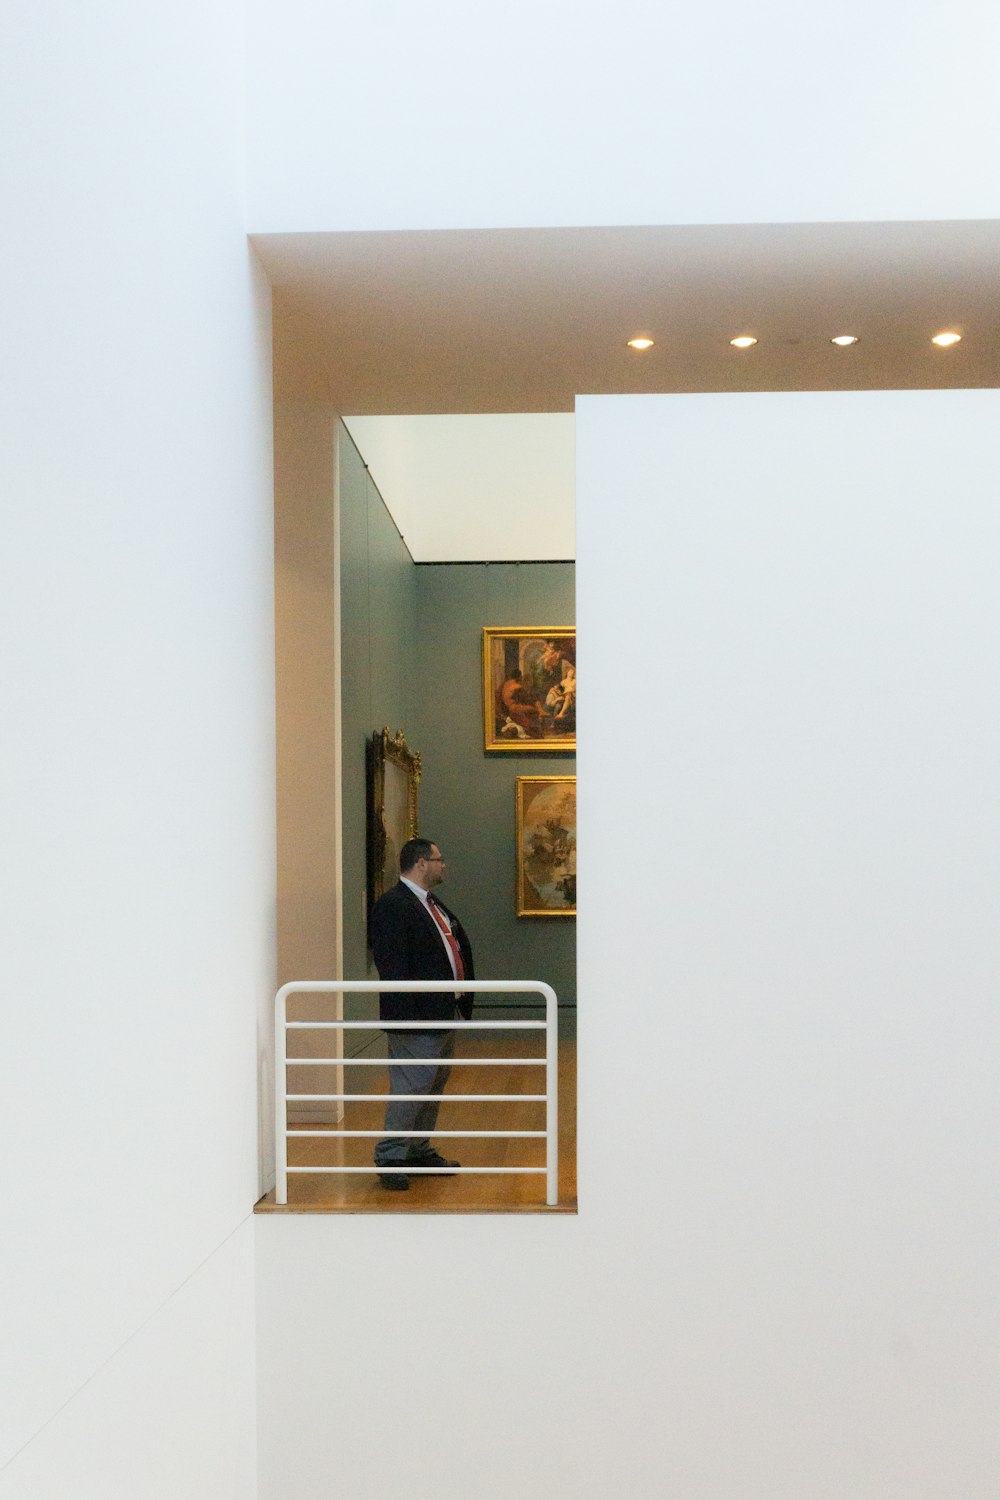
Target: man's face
[433, 869]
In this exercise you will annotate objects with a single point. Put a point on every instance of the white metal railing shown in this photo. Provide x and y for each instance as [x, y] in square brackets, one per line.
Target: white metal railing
[550, 1061]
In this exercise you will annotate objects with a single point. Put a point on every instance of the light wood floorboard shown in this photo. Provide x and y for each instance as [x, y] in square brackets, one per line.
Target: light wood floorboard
[358, 1192]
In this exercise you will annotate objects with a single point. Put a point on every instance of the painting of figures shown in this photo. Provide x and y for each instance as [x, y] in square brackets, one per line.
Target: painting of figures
[529, 689]
[545, 822]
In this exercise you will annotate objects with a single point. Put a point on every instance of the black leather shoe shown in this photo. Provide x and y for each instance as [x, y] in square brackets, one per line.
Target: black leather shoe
[433, 1159]
[394, 1181]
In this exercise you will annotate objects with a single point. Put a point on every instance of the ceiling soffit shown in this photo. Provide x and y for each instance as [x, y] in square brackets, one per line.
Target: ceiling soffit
[525, 320]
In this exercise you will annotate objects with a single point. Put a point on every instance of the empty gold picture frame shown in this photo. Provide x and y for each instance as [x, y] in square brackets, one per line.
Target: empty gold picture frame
[545, 839]
[529, 688]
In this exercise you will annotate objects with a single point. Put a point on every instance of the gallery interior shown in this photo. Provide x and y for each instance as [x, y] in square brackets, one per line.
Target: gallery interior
[231, 227]
[382, 639]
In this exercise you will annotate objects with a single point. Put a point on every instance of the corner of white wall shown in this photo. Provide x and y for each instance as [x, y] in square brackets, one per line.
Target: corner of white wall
[138, 755]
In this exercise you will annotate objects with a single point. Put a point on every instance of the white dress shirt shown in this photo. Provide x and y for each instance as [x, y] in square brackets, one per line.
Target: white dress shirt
[419, 891]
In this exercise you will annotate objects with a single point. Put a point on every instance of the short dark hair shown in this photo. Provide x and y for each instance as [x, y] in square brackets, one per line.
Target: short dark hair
[412, 851]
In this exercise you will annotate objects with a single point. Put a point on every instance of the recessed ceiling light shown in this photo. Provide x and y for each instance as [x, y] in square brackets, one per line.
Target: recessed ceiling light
[945, 340]
[844, 339]
[743, 342]
[641, 343]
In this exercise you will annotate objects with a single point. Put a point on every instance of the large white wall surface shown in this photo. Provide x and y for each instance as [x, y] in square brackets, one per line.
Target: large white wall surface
[172, 1414]
[450, 115]
[802, 634]
[136, 761]
[782, 1279]
[473, 488]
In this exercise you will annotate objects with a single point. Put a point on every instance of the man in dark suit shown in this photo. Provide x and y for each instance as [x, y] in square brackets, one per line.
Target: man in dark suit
[415, 936]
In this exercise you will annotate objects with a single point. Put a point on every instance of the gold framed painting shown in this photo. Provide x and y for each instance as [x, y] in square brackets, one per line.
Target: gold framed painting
[529, 688]
[545, 833]
[393, 802]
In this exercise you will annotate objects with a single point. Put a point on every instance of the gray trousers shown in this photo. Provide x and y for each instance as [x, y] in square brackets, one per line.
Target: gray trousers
[429, 1052]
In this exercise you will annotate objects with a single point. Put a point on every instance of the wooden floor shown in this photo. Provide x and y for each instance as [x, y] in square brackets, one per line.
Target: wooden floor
[361, 1192]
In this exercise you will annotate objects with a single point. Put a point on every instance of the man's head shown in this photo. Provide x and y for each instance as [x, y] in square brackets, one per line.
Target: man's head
[421, 861]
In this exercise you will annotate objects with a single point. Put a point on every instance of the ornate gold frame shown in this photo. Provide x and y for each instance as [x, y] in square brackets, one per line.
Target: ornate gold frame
[525, 906]
[492, 739]
[390, 757]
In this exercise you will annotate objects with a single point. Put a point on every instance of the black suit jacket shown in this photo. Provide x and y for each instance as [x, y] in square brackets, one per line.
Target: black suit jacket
[408, 945]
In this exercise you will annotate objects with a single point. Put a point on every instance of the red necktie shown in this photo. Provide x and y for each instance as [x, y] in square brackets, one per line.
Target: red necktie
[450, 937]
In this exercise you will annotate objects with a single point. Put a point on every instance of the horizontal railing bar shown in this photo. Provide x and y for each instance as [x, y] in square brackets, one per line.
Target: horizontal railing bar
[408, 1062]
[335, 1135]
[414, 987]
[456, 1025]
[400, 1166]
[412, 1098]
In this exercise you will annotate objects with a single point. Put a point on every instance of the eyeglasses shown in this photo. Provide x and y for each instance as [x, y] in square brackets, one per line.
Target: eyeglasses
[434, 859]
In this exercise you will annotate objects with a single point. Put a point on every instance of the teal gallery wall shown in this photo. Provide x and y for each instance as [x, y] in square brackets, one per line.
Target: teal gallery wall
[378, 602]
[467, 795]
[412, 660]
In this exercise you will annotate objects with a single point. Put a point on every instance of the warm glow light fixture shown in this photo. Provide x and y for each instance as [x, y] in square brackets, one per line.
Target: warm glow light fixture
[945, 340]
[641, 343]
[844, 339]
[743, 342]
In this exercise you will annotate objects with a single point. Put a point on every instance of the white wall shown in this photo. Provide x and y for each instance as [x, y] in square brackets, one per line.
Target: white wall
[172, 1412]
[450, 115]
[136, 765]
[783, 1276]
[465, 488]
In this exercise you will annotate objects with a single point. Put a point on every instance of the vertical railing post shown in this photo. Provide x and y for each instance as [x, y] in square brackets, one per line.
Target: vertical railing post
[551, 1095]
[280, 1100]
